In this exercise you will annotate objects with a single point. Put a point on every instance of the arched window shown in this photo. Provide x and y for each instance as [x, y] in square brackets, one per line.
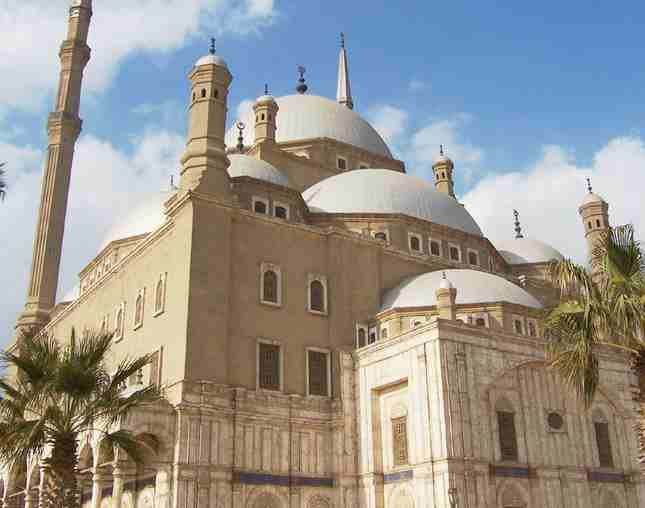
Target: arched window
[317, 296]
[597, 223]
[118, 323]
[216, 93]
[194, 96]
[384, 333]
[381, 235]
[270, 287]
[480, 322]
[138, 310]
[260, 206]
[361, 336]
[415, 243]
[473, 258]
[159, 295]
[589, 224]
[262, 116]
[203, 93]
[443, 175]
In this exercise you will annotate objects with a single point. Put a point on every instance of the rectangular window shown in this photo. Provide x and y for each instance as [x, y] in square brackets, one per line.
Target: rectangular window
[604, 444]
[400, 441]
[414, 242]
[341, 163]
[269, 366]
[318, 369]
[281, 210]
[435, 248]
[507, 436]
[155, 368]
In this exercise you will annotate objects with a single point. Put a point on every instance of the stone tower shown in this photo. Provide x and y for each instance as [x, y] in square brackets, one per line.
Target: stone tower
[204, 162]
[63, 128]
[443, 168]
[266, 110]
[594, 212]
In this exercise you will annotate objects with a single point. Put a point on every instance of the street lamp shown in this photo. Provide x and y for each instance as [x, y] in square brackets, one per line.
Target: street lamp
[452, 497]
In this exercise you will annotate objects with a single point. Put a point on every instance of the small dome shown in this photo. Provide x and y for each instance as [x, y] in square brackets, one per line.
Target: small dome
[592, 198]
[445, 283]
[306, 116]
[442, 159]
[519, 251]
[144, 218]
[265, 98]
[473, 287]
[245, 165]
[211, 59]
[367, 191]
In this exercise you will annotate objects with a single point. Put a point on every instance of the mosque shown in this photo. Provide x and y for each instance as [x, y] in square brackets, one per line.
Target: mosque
[329, 331]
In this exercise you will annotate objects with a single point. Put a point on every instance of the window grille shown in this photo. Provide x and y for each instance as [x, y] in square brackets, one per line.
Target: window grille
[454, 253]
[318, 370]
[317, 296]
[507, 435]
[269, 367]
[270, 287]
[400, 441]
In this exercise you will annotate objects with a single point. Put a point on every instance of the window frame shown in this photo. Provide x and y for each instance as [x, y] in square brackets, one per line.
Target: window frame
[119, 333]
[162, 279]
[266, 267]
[365, 328]
[270, 342]
[459, 254]
[516, 448]
[477, 257]
[438, 243]
[529, 322]
[520, 320]
[277, 204]
[327, 354]
[140, 294]
[341, 158]
[265, 201]
[311, 278]
[384, 332]
[396, 444]
[419, 239]
[385, 231]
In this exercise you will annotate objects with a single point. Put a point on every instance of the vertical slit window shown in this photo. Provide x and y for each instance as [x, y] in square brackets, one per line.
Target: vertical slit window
[507, 436]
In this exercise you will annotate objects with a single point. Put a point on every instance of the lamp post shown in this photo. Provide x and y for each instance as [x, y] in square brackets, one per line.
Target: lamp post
[452, 497]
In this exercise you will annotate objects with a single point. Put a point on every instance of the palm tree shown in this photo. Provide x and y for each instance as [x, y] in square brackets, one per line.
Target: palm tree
[57, 392]
[603, 308]
[3, 184]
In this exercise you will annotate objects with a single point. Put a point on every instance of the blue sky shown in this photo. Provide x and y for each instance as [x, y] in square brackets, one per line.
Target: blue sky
[529, 97]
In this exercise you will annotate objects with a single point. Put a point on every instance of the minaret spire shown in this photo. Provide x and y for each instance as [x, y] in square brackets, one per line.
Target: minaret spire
[343, 91]
[63, 128]
[518, 227]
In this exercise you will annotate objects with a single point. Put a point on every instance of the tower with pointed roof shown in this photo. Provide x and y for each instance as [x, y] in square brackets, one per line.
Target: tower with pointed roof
[343, 90]
[594, 212]
[63, 129]
[204, 162]
[443, 168]
[266, 110]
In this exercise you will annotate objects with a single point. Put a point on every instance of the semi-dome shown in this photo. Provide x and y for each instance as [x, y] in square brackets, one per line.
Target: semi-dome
[306, 116]
[383, 191]
[519, 251]
[245, 165]
[144, 218]
[472, 287]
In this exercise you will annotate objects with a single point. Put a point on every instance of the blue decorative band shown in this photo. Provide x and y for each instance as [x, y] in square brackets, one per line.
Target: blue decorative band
[510, 472]
[595, 476]
[281, 480]
[397, 477]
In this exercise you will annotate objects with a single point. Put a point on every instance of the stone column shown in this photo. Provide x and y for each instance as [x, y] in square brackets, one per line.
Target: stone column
[97, 489]
[118, 484]
[29, 499]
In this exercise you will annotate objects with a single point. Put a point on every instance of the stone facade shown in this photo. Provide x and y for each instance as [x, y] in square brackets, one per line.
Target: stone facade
[309, 393]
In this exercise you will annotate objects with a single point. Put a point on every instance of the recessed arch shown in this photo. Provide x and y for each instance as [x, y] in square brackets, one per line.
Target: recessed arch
[264, 497]
[511, 495]
[401, 497]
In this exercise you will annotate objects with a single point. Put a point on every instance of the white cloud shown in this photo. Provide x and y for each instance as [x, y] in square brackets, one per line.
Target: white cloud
[548, 193]
[244, 109]
[106, 183]
[390, 122]
[120, 28]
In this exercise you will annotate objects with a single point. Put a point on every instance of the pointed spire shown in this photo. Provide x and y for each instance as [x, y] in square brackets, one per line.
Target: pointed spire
[343, 91]
[302, 86]
[518, 228]
[589, 188]
[212, 48]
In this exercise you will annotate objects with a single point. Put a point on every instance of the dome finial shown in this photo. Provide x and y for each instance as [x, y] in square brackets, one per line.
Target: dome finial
[212, 48]
[240, 139]
[342, 40]
[589, 187]
[440, 149]
[266, 89]
[518, 227]
[302, 86]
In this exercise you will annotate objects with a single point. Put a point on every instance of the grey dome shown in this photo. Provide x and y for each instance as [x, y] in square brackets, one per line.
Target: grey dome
[525, 250]
[211, 59]
[389, 192]
[472, 287]
[144, 218]
[311, 116]
[245, 165]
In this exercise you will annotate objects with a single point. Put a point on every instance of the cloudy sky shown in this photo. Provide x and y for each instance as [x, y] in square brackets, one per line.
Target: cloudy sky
[530, 98]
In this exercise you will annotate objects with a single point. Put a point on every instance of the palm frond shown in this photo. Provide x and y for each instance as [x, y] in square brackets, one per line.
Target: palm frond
[135, 447]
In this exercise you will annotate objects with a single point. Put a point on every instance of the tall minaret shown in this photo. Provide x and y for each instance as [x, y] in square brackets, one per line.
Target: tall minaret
[63, 129]
[443, 168]
[344, 91]
[594, 212]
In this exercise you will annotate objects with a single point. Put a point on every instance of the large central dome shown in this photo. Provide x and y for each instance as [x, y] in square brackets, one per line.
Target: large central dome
[383, 191]
[311, 116]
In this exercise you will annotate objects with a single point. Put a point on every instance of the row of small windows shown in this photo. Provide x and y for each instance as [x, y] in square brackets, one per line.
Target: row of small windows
[271, 289]
[204, 94]
[261, 117]
[280, 210]
[139, 310]
[434, 247]
[508, 444]
[342, 164]
[590, 224]
[270, 369]
[103, 267]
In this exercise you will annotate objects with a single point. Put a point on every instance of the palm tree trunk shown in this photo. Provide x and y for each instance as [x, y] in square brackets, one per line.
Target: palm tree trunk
[63, 466]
